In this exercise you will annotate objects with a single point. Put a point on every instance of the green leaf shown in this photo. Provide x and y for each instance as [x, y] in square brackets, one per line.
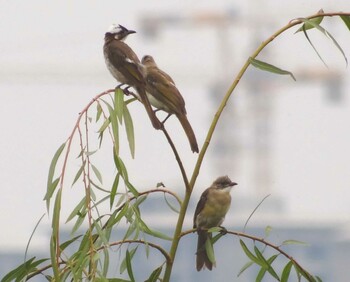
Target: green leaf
[97, 173]
[173, 208]
[78, 173]
[248, 253]
[155, 275]
[327, 34]
[286, 272]
[294, 242]
[114, 190]
[77, 209]
[104, 126]
[346, 20]
[98, 111]
[115, 128]
[126, 263]
[263, 270]
[311, 23]
[129, 128]
[210, 250]
[67, 243]
[115, 219]
[51, 185]
[303, 273]
[268, 67]
[261, 258]
[245, 267]
[119, 103]
[53, 257]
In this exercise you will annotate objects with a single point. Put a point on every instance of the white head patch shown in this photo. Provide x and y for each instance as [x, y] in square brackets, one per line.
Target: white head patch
[114, 29]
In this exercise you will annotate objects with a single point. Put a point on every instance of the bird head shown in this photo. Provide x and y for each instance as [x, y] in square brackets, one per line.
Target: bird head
[148, 60]
[119, 32]
[223, 183]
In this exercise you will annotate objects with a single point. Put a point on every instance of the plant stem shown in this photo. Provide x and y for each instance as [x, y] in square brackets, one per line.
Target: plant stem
[177, 233]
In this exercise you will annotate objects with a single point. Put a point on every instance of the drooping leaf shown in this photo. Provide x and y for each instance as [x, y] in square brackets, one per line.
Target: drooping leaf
[98, 112]
[97, 173]
[70, 241]
[119, 104]
[327, 34]
[286, 272]
[248, 253]
[172, 207]
[115, 128]
[268, 67]
[245, 267]
[114, 190]
[51, 185]
[77, 209]
[155, 275]
[129, 128]
[78, 173]
[309, 25]
[210, 251]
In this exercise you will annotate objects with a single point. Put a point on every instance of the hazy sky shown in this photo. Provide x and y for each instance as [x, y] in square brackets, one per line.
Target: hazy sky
[52, 66]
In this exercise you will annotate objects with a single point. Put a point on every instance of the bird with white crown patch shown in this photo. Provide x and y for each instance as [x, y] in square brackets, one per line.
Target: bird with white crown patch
[124, 65]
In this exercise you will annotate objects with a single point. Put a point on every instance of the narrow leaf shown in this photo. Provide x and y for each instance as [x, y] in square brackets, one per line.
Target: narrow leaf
[245, 267]
[155, 275]
[114, 190]
[248, 253]
[104, 126]
[98, 111]
[294, 242]
[115, 128]
[268, 67]
[173, 208]
[327, 34]
[261, 258]
[129, 128]
[78, 173]
[67, 243]
[77, 209]
[346, 20]
[97, 173]
[309, 24]
[51, 186]
[286, 272]
[119, 103]
[210, 250]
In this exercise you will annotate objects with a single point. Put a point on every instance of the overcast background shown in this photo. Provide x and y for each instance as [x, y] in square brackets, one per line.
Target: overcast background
[52, 65]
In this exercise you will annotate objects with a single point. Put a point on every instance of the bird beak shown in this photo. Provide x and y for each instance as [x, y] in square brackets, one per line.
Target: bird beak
[131, 31]
[233, 184]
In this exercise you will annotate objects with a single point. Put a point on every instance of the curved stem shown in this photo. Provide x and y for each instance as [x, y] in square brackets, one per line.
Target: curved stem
[212, 127]
[261, 240]
[178, 159]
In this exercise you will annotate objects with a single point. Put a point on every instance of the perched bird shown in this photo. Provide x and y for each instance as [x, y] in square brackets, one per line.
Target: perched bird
[163, 94]
[210, 212]
[125, 66]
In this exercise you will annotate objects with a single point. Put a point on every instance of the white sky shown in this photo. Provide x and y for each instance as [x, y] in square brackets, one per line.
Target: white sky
[52, 65]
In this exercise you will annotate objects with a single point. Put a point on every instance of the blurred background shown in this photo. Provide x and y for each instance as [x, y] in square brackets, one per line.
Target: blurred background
[277, 136]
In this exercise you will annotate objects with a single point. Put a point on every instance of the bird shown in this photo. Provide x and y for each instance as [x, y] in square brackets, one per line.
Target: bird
[164, 95]
[210, 212]
[125, 66]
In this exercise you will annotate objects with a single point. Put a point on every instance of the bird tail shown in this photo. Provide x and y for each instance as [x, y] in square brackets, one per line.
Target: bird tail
[189, 132]
[155, 121]
[202, 259]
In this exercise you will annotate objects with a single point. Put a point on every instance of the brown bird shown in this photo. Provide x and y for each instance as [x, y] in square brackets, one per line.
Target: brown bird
[163, 94]
[210, 212]
[124, 65]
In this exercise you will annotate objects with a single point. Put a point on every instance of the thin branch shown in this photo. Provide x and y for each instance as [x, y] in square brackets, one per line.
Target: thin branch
[178, 159]
[254, 238]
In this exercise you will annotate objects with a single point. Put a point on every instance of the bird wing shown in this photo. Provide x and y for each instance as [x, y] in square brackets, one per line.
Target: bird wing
[166, 91]
[127, 63]
[200, 206]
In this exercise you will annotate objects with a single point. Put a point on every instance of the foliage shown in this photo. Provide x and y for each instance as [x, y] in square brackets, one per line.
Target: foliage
[86, 255]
